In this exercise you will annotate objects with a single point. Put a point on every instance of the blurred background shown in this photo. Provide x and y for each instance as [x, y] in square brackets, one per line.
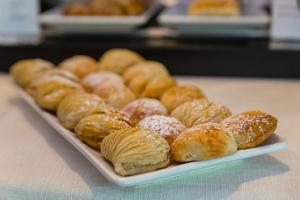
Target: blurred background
[243, 38]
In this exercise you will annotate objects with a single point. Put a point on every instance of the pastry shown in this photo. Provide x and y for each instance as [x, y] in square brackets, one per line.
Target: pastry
[144, 107]
[49, 94]
[157, 86]
[147, 69]
[24, 71]
[106, 8]
[80, 65]
[200, 111]
[77, 9]
[203, 142]
[51, 75]
[91, 81]
[168, 127]
[93, 128]
[214, 8]
[118, 60]
[76, 106]
[132, 7]
[135, 151]
[178, 95]
[250, 128]
[115, 93]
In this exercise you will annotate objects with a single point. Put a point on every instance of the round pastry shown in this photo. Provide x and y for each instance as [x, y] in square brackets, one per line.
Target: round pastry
[77, 8]
[135, 151]
[76, 106]
[24, 71]
[52, 75]
[93, 128]
[250, 128]
[80, 65]
[147, 69]
[144, 107]
[178, 95]
[115, 93]
[203, 142]
[200, 111]
[118, 60]
[168, 127]
[49, 94]
[157, 86]
[91, 81]
[106, 8]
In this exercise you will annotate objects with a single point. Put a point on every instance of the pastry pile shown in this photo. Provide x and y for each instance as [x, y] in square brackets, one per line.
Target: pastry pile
[134, 113]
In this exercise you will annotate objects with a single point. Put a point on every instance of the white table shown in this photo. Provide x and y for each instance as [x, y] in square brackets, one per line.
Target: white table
[37, 163]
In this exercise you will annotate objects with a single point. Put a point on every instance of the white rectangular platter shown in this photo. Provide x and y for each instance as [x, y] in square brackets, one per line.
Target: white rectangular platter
[60, 23]
[252, 22]
[275, 143]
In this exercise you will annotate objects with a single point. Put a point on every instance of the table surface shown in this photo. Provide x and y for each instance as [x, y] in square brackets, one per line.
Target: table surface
[37, 163]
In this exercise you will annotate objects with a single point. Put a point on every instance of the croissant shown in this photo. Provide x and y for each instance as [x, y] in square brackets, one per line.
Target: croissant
[135, 151]
[92, 80]
[118, 60]
[93, 128]
[203, 142]
[178, 95]
[50, 94]
[76, 106]
[52, 75]
[168, 127]
[24, 71]
[80, 65]
[141, 108]
[200, 111]
[250, 128]
[115, 93]
[213, 7]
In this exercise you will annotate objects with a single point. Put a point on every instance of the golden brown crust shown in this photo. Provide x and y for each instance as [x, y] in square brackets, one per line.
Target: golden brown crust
[203, 142]
[80, 65]
[200, 111]
[92, 80]
[178, 95]
[26, 70]
[168, 127]
[118, 60]
[93, 128]
[250, 128]
[49, 94]
[76, 106]
[141, 108]
[135, 151]
[213, 7]
[115, 93]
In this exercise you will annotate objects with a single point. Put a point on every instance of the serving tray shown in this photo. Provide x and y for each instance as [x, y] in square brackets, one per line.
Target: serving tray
[273, 144]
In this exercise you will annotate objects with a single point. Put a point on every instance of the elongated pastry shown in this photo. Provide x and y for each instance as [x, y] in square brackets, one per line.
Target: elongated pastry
[76, 106]
[91, 81]
[214, 8]
[168, 127]
[80, 65]
[52, 75]
[49, 95]
[115, 93]
[26, 70]
[200, 111]
[203, 142]
[135, 151]
[178, 95]
[118, 60]
[250, 128]
[93, 128]
[144, 107]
